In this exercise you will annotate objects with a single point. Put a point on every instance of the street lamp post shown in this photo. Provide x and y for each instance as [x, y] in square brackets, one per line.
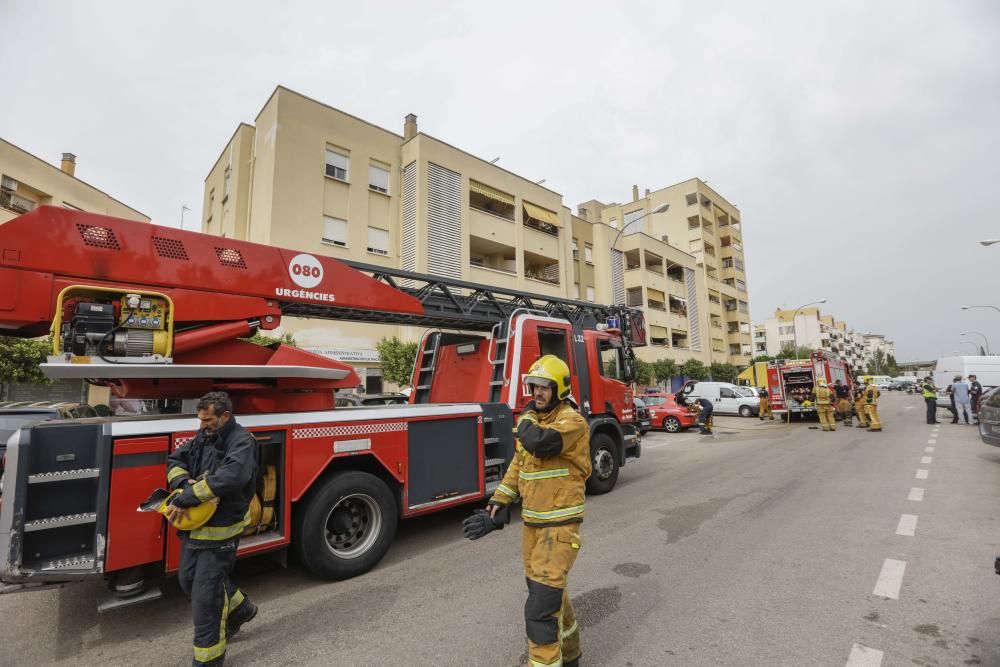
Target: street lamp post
[795, 333]
[659, 209]
[989, 241]
[969, 342]
[993, 307]
[985, 339]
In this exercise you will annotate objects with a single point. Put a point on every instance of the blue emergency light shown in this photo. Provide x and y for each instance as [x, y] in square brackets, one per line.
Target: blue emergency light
[614, 323]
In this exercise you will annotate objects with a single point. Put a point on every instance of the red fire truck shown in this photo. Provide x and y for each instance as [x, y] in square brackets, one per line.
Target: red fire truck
[791, 383]
[157, 312]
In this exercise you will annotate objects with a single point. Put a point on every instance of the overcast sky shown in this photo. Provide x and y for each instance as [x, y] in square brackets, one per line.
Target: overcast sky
[860, 140]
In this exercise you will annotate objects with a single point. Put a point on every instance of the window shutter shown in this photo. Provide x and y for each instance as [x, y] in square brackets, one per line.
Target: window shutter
[378, 178]
[335, 231]
[378, 241]
[337, 164]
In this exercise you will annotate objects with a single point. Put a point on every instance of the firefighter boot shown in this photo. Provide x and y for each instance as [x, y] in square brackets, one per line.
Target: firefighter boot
[241, 611]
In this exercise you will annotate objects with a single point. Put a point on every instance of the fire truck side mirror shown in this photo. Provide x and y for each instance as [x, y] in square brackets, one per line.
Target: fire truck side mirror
[629, 368]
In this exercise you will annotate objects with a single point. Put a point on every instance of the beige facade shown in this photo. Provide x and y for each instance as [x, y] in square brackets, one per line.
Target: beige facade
[808, 327]
[29, 181]
[700, 223]
[309, 177]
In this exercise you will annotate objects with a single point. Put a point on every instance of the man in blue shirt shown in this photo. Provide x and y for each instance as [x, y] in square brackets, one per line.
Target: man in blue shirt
[963, 406]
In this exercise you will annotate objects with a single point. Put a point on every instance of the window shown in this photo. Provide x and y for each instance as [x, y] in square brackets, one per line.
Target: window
[739, 265]
[694, 222]
[726, 392]
[590, 294]
[713, 298]
[692, 198]
[706, 202]
[727, 262]
[744, 307]
[378, 241]
[632, 216]
[337, 165]
[576, 250]
[633, 297]
[588, 253]
[658, 335]
[378, 177]
[741, 286]
[784, 331]
[335, 231]
[488, 199]
[611, 359]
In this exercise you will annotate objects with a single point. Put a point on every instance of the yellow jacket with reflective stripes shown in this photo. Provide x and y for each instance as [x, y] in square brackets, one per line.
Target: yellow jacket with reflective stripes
[824, 396]
[549, 483]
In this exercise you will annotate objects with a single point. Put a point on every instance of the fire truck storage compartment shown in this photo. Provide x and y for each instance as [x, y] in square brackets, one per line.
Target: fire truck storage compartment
[66, 472]
[797, 381]
[272, 453]
[443, 459]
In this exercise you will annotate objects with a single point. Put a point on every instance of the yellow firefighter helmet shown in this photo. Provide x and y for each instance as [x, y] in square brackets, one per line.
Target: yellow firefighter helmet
[822, 383]
[193, 517]
[550, 369]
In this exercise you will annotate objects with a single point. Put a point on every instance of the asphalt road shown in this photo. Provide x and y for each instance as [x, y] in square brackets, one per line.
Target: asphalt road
[767, 545]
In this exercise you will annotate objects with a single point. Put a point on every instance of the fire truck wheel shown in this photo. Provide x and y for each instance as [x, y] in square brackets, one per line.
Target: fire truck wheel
[672, 425]
[605, 463]
[346, 525]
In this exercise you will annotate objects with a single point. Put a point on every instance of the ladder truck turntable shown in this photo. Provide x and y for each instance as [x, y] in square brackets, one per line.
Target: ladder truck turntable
[158, 312]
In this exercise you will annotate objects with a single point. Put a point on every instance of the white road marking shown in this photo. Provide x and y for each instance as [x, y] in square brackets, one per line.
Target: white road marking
[929, 450]
[907, 525]
[670, 441]
[932, 442]
[890, 579]
[909, 407]
[864, 656]
[921, 473]
[926, 459]
[916, 494]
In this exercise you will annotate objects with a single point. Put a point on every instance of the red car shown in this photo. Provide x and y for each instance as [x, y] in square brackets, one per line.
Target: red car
[666, 414]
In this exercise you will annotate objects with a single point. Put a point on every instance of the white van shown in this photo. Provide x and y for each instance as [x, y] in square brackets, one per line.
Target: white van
[727, 398]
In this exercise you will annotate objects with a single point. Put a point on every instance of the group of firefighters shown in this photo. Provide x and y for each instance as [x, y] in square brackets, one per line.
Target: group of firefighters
[213, 478]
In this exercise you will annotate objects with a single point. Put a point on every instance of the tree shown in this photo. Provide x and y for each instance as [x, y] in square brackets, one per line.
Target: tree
[261, 338]
[877, 362]
[397, 360]
[664, 369]
[890, 366]
[723, 372]
[20, 359]
[643, 372]
[762, 357]
[694, 369]
[791, 352]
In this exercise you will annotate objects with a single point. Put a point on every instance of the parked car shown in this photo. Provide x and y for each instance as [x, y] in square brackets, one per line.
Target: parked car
[666, 414]
[900, 385]
[727, 399]
[642, 416]
[353, 400]
[989, 417]
[16, 414]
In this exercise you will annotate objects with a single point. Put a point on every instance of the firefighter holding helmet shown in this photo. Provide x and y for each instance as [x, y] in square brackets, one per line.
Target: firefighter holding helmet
[550, 467]
[217, 467]
[825, 400]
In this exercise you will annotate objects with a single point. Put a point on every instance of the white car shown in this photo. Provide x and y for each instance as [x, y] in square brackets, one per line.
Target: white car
[728, 398]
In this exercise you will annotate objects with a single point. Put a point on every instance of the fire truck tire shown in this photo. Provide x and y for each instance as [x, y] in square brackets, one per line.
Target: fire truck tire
[604, 458]
[672, 425]
[346, 525]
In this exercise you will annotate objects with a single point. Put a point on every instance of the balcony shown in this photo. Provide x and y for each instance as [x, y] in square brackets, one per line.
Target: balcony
[654, 263]
[488, 254]
[541, 268]
[632, 260]
[676, 273]
[679, 339]
[678, 306]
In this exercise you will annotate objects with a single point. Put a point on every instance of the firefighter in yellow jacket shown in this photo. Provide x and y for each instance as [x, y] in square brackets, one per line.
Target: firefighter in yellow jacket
[871, 395]
[824, 406]
[548, 473]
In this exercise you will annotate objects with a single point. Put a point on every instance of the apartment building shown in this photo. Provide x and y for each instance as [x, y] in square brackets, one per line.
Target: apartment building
[27, 181]
[699, 223]
[313, 178]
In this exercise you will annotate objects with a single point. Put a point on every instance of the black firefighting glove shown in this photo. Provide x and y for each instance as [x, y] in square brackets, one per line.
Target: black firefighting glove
[481, 523]
[186, 498]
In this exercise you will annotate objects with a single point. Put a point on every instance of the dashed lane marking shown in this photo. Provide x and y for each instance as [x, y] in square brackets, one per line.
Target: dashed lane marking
[929, 450]
[921, 473]
[916, 494]
[864, 656]
[932, 441]
[907, 525]
[890, 579]
[926, 459]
